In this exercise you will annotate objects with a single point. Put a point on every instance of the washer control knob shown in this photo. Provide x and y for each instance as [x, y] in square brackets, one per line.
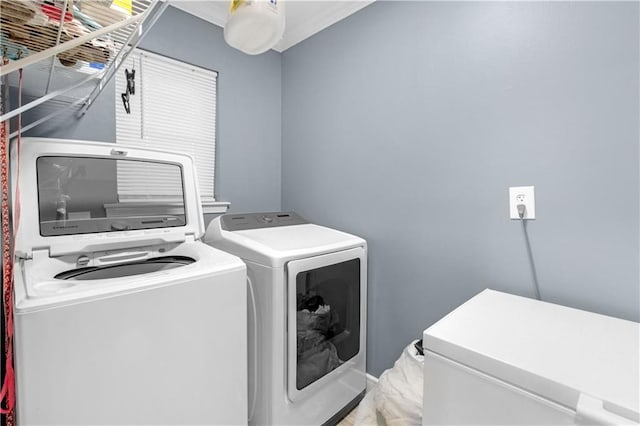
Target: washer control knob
[267, 219]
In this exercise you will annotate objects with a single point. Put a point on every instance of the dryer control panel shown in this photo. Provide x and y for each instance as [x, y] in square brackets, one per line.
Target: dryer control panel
[240, 222]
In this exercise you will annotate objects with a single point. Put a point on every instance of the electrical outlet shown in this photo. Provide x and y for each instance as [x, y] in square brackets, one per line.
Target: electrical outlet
[522, 195]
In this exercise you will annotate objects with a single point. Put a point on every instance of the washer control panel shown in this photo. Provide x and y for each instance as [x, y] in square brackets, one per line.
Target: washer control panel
[239, 222]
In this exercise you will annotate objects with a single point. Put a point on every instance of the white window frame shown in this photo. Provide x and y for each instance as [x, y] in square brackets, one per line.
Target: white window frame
[164, 87]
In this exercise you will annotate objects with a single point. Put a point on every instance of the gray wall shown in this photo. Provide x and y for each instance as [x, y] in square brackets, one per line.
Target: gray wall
[249, 110]
[407, 122]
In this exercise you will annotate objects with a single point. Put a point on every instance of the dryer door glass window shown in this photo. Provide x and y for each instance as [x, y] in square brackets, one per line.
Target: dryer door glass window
[327, 319]
[84, 195]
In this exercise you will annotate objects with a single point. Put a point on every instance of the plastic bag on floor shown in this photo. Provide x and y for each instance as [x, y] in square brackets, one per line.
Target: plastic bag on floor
[367, 415]
[398, 396]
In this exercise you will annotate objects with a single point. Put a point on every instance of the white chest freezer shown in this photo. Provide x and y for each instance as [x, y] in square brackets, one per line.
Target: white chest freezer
[504, 359]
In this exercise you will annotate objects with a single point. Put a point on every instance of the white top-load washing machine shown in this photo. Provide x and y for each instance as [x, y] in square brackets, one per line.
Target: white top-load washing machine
[505, 359]
[122, 314]
[307, 318]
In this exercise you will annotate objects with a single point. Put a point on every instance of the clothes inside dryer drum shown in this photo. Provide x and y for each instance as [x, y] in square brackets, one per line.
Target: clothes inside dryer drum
[126, 269]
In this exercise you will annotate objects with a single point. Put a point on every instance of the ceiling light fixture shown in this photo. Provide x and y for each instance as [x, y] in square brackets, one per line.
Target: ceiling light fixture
[254, 26]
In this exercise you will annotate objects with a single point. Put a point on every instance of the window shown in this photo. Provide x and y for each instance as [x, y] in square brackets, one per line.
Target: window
[173, 108]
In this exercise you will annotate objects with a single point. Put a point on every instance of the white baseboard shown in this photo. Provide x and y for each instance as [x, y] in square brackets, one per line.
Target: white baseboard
[372, 381]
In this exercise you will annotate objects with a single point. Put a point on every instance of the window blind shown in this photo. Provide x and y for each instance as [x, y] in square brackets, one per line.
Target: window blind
[173, 109]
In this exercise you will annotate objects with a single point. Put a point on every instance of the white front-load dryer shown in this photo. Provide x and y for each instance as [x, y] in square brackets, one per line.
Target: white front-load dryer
[122, 314]
[307, 316]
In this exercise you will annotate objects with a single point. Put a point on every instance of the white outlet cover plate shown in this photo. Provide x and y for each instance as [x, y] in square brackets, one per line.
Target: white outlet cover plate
[522, 195]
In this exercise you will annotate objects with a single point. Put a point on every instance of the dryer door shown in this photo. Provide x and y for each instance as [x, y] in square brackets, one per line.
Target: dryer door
[325, 318]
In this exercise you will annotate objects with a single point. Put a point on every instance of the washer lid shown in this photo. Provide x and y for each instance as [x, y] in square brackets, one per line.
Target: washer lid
[78, 196]
[585, 361]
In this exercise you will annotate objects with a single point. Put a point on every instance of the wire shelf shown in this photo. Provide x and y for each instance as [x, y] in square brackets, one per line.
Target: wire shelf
[79, 41]
[27, 27]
